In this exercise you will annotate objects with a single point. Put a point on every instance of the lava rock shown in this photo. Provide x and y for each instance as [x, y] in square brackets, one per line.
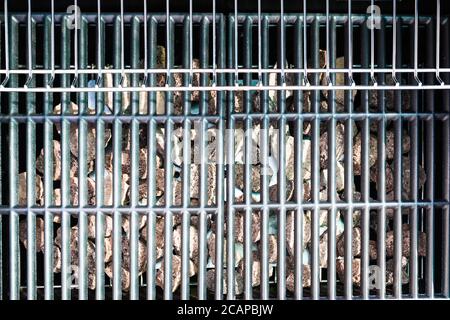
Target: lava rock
[373, 250]
[126, 255]
[126, 223]
[40, 161]
[273, 248]
[406, 242]
[390, 144]
[57, 259]
[306, 277]
[176, 273]
[356, 243]
[126, 163]
[357, 153]
[39, 230]
[159, 235]
[356, 270]
[390, 269]
[125, 276]
[290, 231]
[340, 141]
[193, 242]
[107, 224]
[239, 226]
[256, 271]
[22, 192]
[388, 177]
[211, 282]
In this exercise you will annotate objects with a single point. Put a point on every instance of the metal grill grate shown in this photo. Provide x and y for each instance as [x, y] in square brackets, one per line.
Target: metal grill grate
[100, 93]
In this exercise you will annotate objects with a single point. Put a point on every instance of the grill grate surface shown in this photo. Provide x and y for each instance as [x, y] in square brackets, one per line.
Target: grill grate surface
[237, 55]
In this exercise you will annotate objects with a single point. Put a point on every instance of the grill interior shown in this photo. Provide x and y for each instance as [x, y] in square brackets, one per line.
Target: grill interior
[250, 70]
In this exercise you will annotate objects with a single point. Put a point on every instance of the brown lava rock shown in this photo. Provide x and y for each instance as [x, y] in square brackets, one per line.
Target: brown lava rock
[356, 270]
[406, 242]
[356, 243]
[39, 241]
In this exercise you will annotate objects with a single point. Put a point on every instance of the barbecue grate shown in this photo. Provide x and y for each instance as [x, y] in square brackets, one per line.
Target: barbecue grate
[127, 106]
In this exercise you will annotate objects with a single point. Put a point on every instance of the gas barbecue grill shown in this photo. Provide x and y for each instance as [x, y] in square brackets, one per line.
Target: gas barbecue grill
[224, 149]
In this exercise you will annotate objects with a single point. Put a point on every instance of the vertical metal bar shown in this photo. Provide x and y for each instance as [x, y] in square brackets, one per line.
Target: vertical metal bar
[398, 184]
[414, 168]
[281, 98]
[220, 164]
[214, 39]
[315, 166]
[100, 36]
[48, 164]
[14, 253]
[230, 161]
[305, 45]
[52, 39]
[429, 164]
[438, 40]
[298, 162]
[394, 39]
[100, 165]
[31, 165]
[134, 154]
[381, 151]
[187, 61]
[416, 42]
[348, 183]
[235, 39]
[331, 218]
[144, 82]
[365, 173]
[350, 41]
[248, 127]
[1, 189]
[446, 164]
[259, 43]
[372, 44]
[327, 41]
[190, 41]
[6, 21]
[282, 40]
[348, 178]
[151, 164]
[29, 46]
[168, 214]
[264, 153]
[65, 165]
[75, 50]
[122, 44]
[170, 40]
[117, 165]
[204, 61]
[82, 163]
[168, 53]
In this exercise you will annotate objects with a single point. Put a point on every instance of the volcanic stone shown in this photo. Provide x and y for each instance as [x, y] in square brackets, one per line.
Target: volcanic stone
[356, 243]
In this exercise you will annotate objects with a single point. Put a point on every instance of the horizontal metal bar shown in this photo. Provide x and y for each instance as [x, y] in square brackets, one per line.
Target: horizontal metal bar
[371, 297]
[273, 18]
[244, 70]
[256, 206]
[214, 119]
[229, 88]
